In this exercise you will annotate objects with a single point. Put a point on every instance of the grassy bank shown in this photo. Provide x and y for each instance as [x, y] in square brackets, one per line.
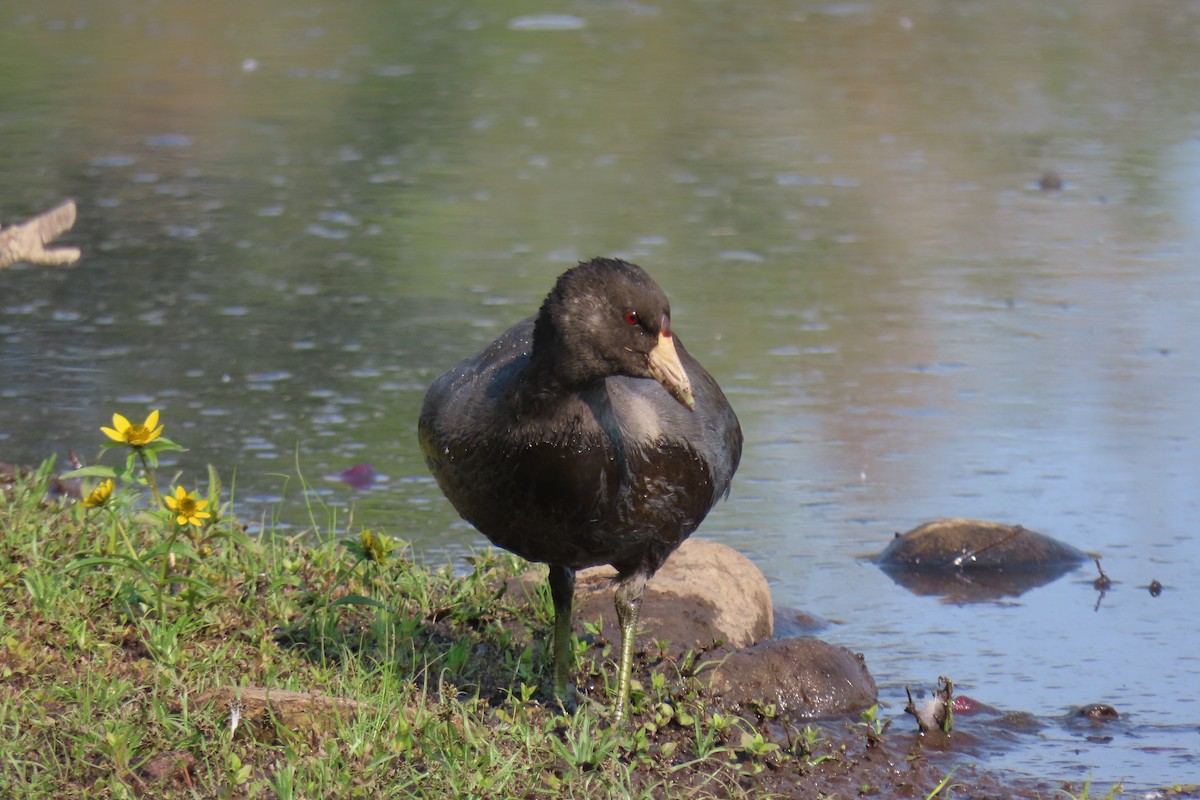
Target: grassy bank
[115, 628]
[135, 642]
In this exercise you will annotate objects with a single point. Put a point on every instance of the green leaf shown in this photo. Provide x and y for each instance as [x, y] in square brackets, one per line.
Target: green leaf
[97, 471]
[188, 580]
[180, 547]
[101, 561]
[154, 516]
[160, 444]
[358, 600]
[356, 548]
[214, 490]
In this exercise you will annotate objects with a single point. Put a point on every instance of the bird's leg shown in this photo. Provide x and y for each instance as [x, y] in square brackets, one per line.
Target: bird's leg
[562, 592]
[629, 605]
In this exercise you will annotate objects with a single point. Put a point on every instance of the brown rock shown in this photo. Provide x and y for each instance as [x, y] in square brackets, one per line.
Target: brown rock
[802, 677]
[970, 560]
[706, 591]
[976, 544]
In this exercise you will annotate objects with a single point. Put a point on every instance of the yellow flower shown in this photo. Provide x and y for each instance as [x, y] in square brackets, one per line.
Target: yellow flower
[134, 435]
[375, 547]
[100, 495]
[188, 508]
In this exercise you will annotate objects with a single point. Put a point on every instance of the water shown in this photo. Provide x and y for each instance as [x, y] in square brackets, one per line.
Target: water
[293, 218]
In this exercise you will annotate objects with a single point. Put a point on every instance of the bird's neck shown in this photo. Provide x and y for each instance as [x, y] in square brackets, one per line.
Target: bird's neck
[540, 385]
[547, 383]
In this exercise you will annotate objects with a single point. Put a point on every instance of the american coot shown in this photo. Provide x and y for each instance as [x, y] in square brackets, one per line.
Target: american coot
[585, 435]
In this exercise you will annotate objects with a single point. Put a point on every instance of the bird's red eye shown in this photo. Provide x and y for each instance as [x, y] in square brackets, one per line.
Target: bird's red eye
[632, 317]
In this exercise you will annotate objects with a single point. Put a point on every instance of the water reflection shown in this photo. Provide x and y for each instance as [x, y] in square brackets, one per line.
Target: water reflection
[977, 586]
[293, 218]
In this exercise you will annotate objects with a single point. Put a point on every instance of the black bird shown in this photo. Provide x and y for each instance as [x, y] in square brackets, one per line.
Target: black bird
[585, 435]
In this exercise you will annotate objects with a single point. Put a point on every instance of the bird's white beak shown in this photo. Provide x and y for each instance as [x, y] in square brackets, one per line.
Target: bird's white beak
[666, 369]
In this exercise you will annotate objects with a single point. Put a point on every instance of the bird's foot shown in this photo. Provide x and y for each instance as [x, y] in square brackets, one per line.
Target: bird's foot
[566, 698]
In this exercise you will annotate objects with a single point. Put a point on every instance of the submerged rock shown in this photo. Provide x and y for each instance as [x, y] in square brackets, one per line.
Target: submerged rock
[1098, 712]
[970, 560]
[976, 544]
[791, 622]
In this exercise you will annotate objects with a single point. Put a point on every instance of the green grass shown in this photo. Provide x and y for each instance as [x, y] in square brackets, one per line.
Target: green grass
[111, 643]
[116, 633]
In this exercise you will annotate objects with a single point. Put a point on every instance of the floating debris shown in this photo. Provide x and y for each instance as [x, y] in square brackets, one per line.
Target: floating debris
[547, 22]
[360, 476]
[937, 712]
[1050, 181]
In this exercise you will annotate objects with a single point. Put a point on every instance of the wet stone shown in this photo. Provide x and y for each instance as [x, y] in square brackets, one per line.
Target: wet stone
[1098, 712]
[970, 561]
[802, 677]
[949, 544]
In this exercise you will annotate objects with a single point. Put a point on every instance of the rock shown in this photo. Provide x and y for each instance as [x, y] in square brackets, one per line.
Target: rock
[803, 677]
[790, 622]
[973, 543]
[709, 592]
[1098, 712]
[705, 592]
[968, 560]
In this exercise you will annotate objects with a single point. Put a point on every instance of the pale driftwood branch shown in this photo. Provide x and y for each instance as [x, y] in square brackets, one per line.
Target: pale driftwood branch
[27, 241]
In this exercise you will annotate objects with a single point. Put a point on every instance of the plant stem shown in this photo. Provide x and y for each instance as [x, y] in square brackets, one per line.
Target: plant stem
[150, 479]
[166, 571]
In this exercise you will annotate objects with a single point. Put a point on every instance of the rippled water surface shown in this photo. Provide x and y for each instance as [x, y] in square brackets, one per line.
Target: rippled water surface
[295, 215]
